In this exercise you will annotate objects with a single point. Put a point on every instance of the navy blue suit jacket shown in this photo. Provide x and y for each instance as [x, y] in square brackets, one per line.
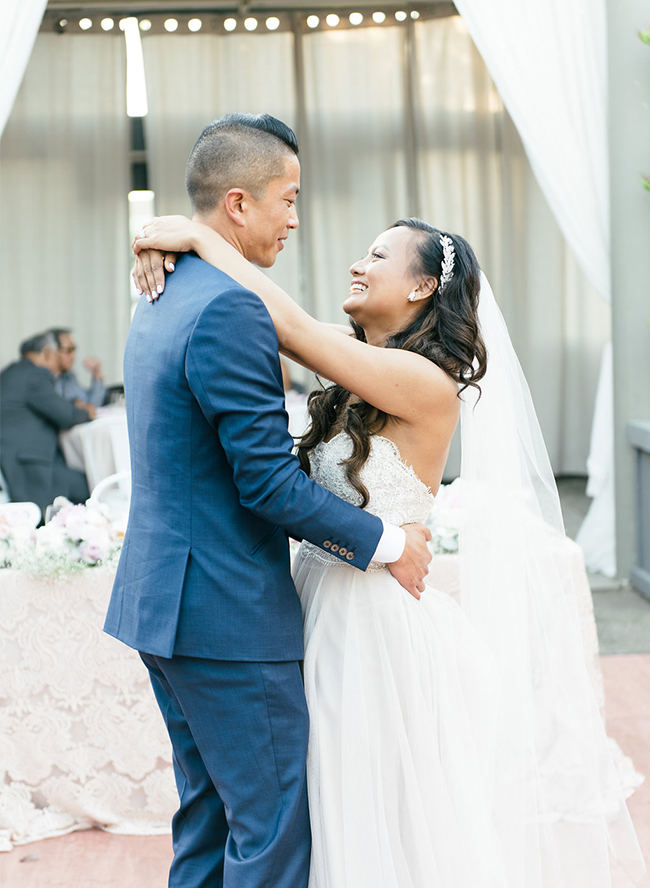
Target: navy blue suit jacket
[204, 571]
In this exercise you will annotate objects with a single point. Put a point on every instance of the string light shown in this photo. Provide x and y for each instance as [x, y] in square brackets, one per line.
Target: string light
[415, 14]
[108, 24]
[171, 25]
[313, 21]
[379, 17]
[273, 23]
[145, 25]
[355, 18]
[85, 23]
[195, 25]
[230, 24]
[401, 16]
[250, 23]
[332, 19]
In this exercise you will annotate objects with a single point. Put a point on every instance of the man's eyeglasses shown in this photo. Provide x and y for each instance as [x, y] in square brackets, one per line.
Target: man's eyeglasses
[68, 349]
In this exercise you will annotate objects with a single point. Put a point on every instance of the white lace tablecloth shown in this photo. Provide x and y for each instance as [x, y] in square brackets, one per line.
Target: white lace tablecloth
[99, 448]
[82, 742]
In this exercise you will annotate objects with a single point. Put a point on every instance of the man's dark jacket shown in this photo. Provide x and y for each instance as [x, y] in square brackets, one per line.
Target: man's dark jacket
[31, 416]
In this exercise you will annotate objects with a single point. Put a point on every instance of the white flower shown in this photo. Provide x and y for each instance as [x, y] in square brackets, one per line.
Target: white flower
[51, 538]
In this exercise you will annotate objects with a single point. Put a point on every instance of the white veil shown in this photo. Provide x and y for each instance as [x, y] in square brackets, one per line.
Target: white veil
[558, 801]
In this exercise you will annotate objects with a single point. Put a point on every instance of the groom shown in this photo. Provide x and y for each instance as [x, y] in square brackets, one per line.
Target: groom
[203, 588]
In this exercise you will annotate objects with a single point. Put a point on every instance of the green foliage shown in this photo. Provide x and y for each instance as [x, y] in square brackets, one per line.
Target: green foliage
[645, 36]
[645, 181]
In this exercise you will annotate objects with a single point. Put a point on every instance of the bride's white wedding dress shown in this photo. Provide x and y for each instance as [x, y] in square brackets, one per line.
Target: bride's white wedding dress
[403, 696]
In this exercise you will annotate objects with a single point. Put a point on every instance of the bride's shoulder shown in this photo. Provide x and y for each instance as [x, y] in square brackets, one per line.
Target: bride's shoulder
[433, 383]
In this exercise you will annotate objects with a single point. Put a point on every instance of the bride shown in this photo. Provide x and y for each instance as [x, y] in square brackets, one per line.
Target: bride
[449, 746]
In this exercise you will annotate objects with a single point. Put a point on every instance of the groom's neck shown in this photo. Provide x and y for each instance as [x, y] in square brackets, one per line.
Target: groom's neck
[220, 221]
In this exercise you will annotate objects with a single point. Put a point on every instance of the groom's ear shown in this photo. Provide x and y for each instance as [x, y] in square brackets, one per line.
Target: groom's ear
[235, 203]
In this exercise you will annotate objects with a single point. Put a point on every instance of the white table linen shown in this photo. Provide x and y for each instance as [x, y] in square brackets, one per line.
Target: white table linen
[82, 742]
[99, 448]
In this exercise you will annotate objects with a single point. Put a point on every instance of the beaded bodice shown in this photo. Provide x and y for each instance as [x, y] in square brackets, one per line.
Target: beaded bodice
[396, 493]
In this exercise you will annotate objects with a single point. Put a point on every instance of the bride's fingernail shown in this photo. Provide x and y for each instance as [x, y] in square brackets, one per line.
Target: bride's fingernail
[171, 266]
[159, 288]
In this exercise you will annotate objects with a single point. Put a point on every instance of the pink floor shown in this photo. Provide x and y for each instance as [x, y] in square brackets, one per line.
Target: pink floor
[96, 859]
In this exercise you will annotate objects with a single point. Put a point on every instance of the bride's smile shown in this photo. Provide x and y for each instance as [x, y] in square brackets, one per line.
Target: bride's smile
[385, 294]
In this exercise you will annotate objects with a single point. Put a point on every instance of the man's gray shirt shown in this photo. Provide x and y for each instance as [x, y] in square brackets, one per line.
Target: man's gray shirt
[68, 386]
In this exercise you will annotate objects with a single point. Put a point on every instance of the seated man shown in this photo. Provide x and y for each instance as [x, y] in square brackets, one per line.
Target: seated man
[66, 382]
[31, 415]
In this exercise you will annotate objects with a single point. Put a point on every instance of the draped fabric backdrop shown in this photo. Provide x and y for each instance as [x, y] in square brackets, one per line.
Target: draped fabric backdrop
[64, 180]
[549, 62]
[394, 121]
[20, 23]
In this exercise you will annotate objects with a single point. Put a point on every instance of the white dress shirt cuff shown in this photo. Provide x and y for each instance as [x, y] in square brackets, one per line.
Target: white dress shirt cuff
[391, 544]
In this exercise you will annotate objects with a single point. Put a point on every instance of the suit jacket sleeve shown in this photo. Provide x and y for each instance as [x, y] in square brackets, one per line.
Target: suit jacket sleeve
[44, 400]
[233, 369]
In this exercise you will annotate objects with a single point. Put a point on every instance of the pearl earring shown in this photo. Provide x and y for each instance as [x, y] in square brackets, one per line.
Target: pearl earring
[411, 296]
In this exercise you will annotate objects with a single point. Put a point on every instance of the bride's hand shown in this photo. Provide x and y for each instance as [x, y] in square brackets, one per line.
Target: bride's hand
[153, 248]
[149, 272]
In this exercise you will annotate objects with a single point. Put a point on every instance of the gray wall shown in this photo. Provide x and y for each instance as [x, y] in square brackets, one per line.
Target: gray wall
[629, 126]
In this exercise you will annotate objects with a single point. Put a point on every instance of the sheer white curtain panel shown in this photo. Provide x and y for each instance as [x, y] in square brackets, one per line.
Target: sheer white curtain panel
[549, 62]
[64, 180]
[21, 20]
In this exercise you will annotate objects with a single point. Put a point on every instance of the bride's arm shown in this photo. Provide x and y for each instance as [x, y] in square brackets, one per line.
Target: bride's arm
[400, 383]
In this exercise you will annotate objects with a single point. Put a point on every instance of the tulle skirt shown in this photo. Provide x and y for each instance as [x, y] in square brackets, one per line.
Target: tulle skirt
[403, 698]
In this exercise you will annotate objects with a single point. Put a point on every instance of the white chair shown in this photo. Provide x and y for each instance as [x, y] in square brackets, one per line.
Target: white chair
[114, 493]
[4, 490]
[24, 514]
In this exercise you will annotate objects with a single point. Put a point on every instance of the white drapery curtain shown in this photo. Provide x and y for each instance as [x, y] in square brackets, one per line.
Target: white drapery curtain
[549, 62]
[20, 23]
[396, 121]
[64, 181]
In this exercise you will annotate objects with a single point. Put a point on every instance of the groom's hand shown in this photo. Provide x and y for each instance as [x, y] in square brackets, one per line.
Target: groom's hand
[412, 567]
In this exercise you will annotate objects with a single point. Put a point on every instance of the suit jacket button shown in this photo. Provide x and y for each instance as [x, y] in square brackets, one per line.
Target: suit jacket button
[343, 551]
[327, 544]
[350, 556]
[334, 548]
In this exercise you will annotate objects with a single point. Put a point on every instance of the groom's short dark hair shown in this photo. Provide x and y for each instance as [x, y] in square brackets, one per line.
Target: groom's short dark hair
[237, 151]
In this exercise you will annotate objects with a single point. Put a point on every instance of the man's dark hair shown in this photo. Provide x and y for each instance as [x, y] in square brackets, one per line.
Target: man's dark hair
[37, 343]
[58, 332]
[237, 151]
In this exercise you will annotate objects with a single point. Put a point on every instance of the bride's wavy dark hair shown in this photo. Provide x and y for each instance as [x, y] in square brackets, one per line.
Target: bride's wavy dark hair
[446, 332]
